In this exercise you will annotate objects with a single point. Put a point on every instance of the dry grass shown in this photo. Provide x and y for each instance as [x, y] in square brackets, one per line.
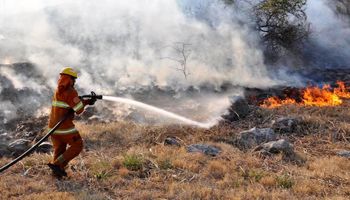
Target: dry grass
[123, 160]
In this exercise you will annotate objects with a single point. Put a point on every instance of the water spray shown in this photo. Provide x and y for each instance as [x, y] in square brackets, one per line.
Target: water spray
[160, 111]
[141, 105]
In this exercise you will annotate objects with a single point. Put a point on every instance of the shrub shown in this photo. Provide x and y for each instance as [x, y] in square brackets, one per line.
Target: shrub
[165, 164]
[102, 175]
[284, 181]
[252, 175]
[133, 162]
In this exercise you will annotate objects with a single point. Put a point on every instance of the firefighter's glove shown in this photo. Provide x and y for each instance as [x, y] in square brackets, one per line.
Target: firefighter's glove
[92, 101]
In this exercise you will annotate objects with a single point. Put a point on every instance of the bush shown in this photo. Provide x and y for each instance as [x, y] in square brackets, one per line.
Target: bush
[284, 181]
[252, 175]
[133, 162]
[165, 164]
[102, 175]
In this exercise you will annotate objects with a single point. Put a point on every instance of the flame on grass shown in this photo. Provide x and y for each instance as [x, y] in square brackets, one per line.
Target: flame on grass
[313, 96]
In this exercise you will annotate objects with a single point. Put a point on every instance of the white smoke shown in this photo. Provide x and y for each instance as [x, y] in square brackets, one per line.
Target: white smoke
[120, 45]
[330, 32]
[20, 81]
[8, 111]
[125, 43]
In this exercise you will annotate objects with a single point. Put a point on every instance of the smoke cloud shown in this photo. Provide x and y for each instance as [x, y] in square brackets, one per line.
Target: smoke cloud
[330, 34]
[117, 44]
[122, 46]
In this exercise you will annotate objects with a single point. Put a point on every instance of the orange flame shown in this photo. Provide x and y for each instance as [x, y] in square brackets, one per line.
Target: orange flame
[341, 90]
[313, 96]
[274, 102]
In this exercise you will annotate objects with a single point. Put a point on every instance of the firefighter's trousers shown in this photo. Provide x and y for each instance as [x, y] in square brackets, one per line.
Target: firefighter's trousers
[62, 154]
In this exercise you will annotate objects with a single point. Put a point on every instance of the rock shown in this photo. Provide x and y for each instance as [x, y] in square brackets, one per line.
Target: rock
[238, 110]
[203, 148]
[31, 127]
[285, 124]
[19, 146]
[44, 147]
[172, 141]
[344, 153]
[254, 137]
[279, 146]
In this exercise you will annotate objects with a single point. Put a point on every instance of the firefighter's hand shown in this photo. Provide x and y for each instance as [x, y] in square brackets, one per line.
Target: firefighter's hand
[92, 101]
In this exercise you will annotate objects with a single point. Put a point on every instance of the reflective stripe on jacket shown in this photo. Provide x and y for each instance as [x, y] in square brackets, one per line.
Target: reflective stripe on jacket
[64, 131]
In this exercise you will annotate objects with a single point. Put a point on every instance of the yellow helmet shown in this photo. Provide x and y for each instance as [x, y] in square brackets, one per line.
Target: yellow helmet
[69, 71]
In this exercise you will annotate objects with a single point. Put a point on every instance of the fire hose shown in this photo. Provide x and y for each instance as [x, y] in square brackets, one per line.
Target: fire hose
[92, 96]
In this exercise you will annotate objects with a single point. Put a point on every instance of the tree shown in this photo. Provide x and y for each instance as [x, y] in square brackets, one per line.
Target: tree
[182, 53]
[282, 24]
[229, 2]
[342, 7]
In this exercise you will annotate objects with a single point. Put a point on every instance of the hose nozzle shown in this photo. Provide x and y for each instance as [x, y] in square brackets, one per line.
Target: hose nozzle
[93, 95]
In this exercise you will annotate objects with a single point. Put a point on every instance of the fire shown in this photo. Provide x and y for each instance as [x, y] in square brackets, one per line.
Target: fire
[274, 102]
[341, 90]
[313, 96]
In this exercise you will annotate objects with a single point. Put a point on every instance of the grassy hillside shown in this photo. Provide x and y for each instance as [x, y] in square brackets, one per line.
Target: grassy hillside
[123, 160]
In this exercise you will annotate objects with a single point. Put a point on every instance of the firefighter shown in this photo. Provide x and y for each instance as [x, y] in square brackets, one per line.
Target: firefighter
[65, 99]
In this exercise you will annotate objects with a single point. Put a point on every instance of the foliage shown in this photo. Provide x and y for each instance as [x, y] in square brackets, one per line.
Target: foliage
[229, 2]
[133, 162]
[285, 181]
[165, 164]
[282, 24]
[342, 7]
[252, 175]
[101, 175]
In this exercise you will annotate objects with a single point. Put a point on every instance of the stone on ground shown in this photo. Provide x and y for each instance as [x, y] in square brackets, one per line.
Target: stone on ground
[344, 153]
[255, 136]
[203, 148]
[19, 146]
[285, 124]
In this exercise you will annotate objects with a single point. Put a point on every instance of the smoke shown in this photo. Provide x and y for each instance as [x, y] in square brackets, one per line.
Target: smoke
[20, 81]
[330, 34]
[8, 111]
[117, 44]
[123, 46]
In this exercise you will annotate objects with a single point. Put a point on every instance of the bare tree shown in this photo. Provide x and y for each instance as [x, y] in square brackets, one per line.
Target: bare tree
[182, 54]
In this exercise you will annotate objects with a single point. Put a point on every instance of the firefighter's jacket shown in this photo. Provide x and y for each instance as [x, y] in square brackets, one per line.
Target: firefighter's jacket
[64, 99]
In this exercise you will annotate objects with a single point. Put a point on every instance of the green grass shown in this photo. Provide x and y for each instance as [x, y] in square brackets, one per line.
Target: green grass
[284, 181]
[133, 162]
[165, 164]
